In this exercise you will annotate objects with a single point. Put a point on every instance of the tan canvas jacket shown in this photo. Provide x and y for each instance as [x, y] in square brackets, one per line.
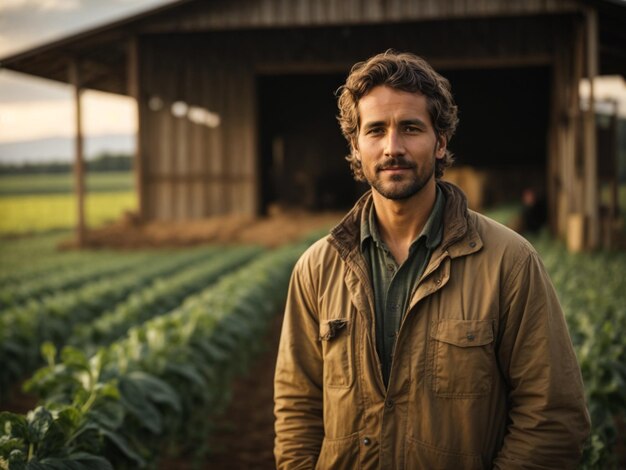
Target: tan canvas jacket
[483, 375]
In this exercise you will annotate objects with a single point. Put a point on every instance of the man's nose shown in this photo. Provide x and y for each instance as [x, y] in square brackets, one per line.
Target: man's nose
[394, 144]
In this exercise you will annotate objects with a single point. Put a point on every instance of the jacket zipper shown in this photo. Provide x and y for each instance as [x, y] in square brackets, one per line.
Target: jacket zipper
[363, 278]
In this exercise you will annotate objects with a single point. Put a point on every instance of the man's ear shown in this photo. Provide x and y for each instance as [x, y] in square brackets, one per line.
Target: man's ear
[441, 146]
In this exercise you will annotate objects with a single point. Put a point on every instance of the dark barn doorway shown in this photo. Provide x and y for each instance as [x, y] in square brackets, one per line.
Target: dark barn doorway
[502, 135]
[503, 129]
[302, 150]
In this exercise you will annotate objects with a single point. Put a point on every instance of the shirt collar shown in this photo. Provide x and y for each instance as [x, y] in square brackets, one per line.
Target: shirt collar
[432, 231]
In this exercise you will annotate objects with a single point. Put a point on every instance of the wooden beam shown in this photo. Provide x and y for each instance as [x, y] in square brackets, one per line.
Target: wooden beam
[591, 208]
[134, 90]
[79, 163]
[438, 63]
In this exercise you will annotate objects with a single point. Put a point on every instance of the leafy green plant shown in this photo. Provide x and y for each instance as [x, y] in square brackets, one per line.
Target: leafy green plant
[158, 298]
[24, 328]
[167, 375]
[35, 288]
[592, 291]
[64, 435]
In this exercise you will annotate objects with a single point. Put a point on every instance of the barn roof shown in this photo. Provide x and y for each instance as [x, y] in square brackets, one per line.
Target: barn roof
[103, 50]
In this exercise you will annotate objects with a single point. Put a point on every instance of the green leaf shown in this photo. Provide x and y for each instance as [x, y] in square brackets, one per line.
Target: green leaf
[49, 352]
[188, 372]
[53, 442]
[13, 424]
[74, 358]
[157, 389]
[9, 444]
[39, 421]
[108, 390]
[77, 461]
[122, 444]
[109, 414]
[134, 398]
[17, 459]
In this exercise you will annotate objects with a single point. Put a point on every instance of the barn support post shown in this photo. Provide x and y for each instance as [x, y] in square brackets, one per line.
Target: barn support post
[575, 228]
[591, 208]
[134, 90]
[79, 163]
[565, 182]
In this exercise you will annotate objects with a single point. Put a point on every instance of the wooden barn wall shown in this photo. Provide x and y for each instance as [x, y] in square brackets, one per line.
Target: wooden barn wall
[192, 171]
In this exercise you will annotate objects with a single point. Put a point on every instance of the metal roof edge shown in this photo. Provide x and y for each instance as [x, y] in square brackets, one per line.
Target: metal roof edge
[91, 31]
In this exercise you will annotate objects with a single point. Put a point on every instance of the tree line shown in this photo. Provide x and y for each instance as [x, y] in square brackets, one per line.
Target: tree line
[103, 162]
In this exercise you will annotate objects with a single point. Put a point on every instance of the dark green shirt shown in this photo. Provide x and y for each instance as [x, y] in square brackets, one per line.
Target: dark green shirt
[393, 284]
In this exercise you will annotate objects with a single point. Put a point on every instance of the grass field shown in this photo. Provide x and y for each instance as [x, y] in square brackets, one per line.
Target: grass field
[43, 202]
[12, 185]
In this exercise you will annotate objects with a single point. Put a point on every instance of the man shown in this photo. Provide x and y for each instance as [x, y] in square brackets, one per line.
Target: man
[420, 334]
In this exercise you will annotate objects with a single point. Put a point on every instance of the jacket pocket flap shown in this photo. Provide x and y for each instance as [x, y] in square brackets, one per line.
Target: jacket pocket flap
[463, 333]
[331, 328]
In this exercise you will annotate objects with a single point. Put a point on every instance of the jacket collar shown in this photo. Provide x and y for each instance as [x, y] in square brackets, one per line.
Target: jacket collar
[459, 235]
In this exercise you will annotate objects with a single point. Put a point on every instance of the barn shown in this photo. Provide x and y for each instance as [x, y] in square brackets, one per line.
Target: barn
[236, 105]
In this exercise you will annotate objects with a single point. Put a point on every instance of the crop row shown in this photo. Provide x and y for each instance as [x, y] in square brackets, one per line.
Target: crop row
[36, 259]
[592, 290]
[80, 274]
[23, 328]
[157, 384]
[157, 298]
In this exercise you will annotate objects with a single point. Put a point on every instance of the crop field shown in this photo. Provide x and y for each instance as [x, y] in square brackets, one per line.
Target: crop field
[132, 355]
[43, 202]
[148, 341]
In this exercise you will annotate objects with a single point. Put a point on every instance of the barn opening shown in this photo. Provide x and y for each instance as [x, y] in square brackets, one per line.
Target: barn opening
[501, 142]
[500, 145]
[302, 150]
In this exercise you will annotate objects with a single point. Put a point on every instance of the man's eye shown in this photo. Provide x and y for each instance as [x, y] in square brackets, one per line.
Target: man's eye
[411, 129]
[375, 131]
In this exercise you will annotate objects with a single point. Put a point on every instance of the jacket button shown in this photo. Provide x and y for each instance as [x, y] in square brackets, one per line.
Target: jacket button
[438, 281]
[472, 244]
[366, 441]
[389, 403]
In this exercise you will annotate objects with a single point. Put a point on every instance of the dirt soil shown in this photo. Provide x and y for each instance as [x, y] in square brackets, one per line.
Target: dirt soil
[274, 230]
[245, 436]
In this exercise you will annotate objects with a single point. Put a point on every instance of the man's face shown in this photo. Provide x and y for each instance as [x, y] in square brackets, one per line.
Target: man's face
[397, 144]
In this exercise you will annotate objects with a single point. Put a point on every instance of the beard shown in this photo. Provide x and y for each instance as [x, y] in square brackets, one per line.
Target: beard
[401, 186]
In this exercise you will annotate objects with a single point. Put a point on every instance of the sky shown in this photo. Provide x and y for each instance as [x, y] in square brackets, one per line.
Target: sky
[34, 108]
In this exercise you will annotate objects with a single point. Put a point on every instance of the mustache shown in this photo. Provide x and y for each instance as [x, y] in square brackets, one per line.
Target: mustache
[394, 162]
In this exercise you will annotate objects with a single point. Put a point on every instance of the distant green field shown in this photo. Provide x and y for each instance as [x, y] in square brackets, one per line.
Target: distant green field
[11, 185]
[43, 202]
[43, 212]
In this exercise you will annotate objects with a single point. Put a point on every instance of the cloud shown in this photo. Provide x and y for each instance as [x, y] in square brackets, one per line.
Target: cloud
[18, 87]
[26, 23]
[103, 113]
[41, 5]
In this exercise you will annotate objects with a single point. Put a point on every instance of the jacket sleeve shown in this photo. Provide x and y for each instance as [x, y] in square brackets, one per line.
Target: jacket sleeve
[548, 418]
[298, 379]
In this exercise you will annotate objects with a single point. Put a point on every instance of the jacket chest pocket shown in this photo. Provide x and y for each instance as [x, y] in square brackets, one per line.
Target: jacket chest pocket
[463, 362]
[336, 338]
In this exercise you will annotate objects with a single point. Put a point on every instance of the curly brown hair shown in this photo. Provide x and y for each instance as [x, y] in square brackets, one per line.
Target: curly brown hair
[401, 71]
